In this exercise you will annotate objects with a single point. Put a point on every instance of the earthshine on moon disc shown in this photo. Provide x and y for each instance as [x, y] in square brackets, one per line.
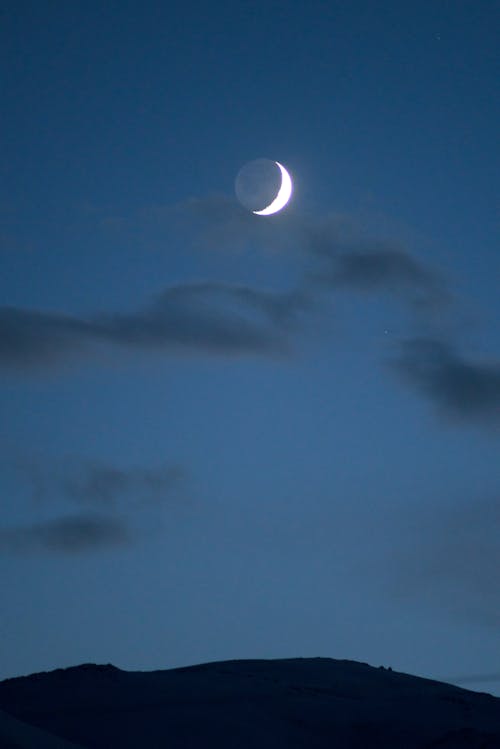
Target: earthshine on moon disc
[263, 187]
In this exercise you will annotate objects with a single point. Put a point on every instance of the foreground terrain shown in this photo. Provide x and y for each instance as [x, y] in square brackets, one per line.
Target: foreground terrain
[311, 703]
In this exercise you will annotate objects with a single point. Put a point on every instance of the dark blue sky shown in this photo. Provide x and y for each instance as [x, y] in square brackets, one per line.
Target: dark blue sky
[231, 436]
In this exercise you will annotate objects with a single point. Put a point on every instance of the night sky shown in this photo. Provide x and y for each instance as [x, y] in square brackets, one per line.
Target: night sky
[237, 436]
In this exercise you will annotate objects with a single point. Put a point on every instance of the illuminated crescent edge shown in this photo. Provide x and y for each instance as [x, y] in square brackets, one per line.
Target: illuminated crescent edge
[283, 196]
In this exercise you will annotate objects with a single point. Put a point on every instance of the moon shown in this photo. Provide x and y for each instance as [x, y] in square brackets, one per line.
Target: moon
[283, 196]
[263, 186]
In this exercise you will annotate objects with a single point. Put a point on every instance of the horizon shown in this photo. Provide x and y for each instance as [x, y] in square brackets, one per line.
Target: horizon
[454, 681]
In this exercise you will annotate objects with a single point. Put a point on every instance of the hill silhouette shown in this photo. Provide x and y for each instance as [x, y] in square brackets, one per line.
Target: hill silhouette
[306, 703]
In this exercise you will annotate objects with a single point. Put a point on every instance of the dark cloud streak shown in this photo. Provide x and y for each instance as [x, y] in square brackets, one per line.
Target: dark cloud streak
[218, 318]
[382, 269]
[211, 317]
[105, 485]
[29, 338]
[111, 502]
[462, 389]
[342, 258]
[67, 535]
[228, 319]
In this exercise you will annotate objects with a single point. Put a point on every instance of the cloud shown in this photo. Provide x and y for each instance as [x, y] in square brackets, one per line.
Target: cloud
[462, 389]
[100, 484]
[105, 485]
[229, 319]
[453, 558]
[67, 535]
[210, 317]
[220, 221]
[383, 269]
[30, 338]
[115, 505]
[341, 256]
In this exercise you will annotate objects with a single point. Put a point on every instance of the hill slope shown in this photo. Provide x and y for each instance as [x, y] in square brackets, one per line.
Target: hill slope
[310, 703]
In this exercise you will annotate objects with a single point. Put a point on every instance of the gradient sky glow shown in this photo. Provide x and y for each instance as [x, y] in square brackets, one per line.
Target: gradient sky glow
[233, 436]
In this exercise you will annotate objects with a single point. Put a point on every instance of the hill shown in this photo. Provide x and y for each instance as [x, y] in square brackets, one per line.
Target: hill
[306, 703]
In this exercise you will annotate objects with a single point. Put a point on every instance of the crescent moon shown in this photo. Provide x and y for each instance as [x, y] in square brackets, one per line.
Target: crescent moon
[283, 196]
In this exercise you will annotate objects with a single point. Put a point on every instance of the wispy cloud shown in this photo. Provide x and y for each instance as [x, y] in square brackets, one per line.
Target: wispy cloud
[67, 535]
[112, 504]
[384, 269]
[30, 338]
[217, 317]
[104, 485]
[461, 388]
[336, 254]
[210, 317]
[225, 319]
